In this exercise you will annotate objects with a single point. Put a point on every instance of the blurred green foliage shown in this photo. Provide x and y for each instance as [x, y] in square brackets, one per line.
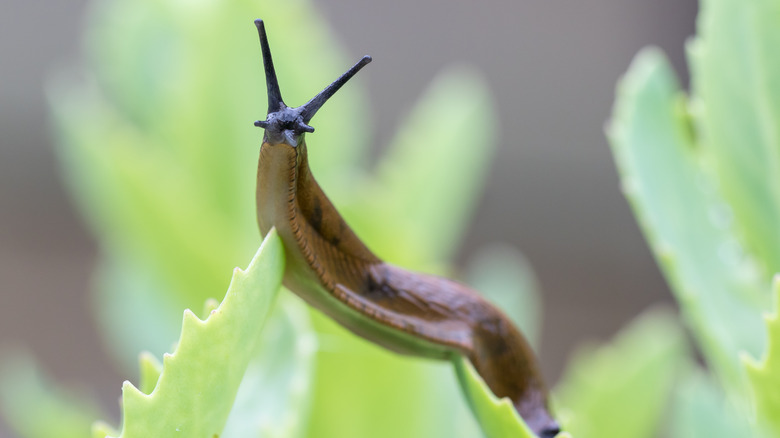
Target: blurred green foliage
[157, 147]
[688, 227]
[603, 386]
[764, 375]
[36, 408]
[700, 171]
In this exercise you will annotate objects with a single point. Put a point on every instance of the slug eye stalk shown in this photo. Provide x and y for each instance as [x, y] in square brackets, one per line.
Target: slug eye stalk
[284, 124]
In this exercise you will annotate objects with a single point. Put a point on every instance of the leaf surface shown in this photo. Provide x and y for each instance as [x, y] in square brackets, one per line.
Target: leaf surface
[735, 77]
[199, 381]
[764, 375]
[688, 226]
[622, 388]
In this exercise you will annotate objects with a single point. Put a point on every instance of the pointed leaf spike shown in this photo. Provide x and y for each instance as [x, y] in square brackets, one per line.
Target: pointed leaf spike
[311, 107]
[275, 102]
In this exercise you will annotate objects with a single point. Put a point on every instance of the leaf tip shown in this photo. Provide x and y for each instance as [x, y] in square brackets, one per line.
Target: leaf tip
[191, 318]
[101, 429]
[130, 393]
[150, 370]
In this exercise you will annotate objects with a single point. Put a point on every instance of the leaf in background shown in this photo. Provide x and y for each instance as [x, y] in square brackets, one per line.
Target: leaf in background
[765, 375]
[735, 77]
[159, 151]
[364, 390]
[159, 147]
[138, 313]
[143, 204]
[700, 409]
[199, 381]
[429, 180]
[35, 408]
[503, 276]
[275, 394]
[686, 224]
[151, 368]
[101, 429]
[621, 389]
[200, 66]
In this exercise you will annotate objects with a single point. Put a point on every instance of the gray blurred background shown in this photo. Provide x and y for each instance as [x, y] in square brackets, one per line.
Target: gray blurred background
[552, 66]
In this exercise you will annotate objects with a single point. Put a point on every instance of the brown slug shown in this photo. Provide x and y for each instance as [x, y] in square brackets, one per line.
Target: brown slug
[331, 269]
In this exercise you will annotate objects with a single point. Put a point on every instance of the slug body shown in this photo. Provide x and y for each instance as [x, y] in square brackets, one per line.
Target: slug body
[331, 269]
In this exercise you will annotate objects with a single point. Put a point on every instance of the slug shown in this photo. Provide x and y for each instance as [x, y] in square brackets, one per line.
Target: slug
[330, 268]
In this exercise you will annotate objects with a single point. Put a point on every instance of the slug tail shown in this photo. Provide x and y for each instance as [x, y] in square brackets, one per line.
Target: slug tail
[500, 354]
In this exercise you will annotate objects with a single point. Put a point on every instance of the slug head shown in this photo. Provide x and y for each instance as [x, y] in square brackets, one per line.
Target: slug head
[284, 124]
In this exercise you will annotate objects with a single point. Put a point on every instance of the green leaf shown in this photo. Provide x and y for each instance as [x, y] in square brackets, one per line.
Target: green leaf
[101, 429]
[623, 387]
[435, 168]
[148, 209]
[428, 182]
[363, 389]
[151, 368]
[718, 286]
[35, 407]
[199, 381]
[133, 310]
[764, 375]
[735, 77]
[275, 395]
[497, 417]
[701, 409]
[201, 64]
[158, 146]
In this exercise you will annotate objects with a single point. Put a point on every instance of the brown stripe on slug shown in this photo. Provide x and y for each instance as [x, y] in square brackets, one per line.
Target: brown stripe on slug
[331, 269]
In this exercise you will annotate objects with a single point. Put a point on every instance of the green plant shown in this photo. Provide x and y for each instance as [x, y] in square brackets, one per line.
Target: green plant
[158, 151]
[700, 172]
